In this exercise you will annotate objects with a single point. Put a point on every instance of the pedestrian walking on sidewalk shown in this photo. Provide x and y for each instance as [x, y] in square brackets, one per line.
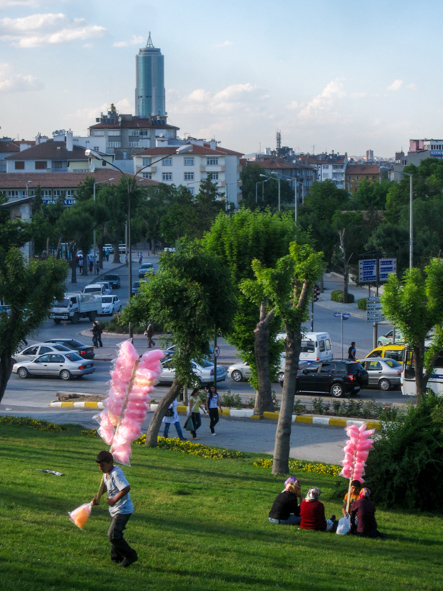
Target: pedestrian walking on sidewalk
[149, 332]
[212, 407]
[171, 418]
[194, 411]
[352, 352]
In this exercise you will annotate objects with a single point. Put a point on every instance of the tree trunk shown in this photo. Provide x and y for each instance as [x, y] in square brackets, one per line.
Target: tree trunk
[263, 397]
[156, 421]
[116, 258]
[420, 379]
[5, 373]
[283, 435]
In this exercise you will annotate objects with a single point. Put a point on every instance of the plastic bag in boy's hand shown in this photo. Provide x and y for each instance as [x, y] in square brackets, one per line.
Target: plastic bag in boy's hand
[80, 515]
[344, 525]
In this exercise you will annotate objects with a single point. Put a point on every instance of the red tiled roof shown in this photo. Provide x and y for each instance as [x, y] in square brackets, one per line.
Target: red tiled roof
[198, 150]
[62, 180]
[10, 146]
[362, 169]
[50, 150]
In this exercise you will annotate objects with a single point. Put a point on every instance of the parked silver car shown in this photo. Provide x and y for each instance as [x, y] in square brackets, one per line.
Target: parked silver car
[63, 366]
[388, 338]
[204, 372]
[383, 373]
[33, 351]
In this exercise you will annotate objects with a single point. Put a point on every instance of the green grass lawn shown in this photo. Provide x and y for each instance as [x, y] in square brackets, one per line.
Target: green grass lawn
[199, 524]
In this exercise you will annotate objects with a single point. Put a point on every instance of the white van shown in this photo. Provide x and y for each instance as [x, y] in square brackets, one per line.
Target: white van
[97, 289]
[315, 346]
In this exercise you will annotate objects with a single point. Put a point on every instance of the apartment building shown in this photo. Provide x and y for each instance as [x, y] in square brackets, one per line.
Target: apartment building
[356, 173]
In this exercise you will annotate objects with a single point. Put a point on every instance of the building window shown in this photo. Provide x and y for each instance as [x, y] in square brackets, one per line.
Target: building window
[349, 178]
[96, 148]
[98, 132]
[57, 165]
[167, 162]
[212, 162]
[189, 161]
[19, 165]
[113, 132]
[147, 161]
[134, 144]
[114, 144]
[167, 176]
[47, 193]
[41, 165]
[148, 175]
[14, 194]
[191, 190]
[134, 132]
[189, 176]
[213, 176]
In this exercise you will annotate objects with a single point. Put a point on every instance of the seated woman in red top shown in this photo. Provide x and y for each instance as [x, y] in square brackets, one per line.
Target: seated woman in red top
[364, 510]
[285, 509]
[312, 513]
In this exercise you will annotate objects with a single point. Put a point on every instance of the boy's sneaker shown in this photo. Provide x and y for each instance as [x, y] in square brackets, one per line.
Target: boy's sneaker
[128, 561]
[214, 434]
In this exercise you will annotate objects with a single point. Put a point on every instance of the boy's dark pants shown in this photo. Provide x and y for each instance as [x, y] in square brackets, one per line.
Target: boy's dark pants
[119, 546]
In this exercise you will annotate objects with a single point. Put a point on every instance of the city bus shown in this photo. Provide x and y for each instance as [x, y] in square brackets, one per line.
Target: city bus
[435, 382]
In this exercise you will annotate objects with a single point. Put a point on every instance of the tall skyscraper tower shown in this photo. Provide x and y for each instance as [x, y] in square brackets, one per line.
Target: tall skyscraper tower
[150, 82]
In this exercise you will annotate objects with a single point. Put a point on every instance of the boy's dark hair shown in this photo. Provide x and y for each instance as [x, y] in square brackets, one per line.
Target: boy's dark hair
[356, 483]
[104, 456]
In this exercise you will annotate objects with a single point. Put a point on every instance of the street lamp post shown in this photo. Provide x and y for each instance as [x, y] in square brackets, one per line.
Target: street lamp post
[263, 187]
[94, 232]
[27, 188]
[92, 154]
[278, 181]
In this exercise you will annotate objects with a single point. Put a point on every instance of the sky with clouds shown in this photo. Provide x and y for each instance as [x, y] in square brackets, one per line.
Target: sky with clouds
[344, 76]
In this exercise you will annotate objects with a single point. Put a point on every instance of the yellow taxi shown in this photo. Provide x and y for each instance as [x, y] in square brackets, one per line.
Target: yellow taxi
[390, 351]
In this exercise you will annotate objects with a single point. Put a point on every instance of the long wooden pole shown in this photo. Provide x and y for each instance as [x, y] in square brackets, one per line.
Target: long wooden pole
[102, 487]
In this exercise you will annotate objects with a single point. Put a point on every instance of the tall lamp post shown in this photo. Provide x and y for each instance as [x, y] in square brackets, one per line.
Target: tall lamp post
[411, 220]
[27, 188]
[278, 181]
[94, 233]
[92, 154]
[263, 187]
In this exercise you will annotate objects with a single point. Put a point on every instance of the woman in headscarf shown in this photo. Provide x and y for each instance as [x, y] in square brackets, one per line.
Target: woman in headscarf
[364, 510]
[285, 509]
[312, 513]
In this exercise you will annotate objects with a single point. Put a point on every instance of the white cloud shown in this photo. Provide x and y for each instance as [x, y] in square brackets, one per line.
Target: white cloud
[135, 40]
[223, 44]
[38, 30]
[237, 97]
[396, 85]
[322, 106]
[9, 3]
[11, 82]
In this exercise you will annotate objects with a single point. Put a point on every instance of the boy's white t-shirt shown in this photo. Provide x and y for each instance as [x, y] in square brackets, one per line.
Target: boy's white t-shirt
[115, 482]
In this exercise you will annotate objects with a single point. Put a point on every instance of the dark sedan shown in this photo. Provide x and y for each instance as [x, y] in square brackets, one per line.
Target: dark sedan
[113, 280]
[336, 378]
[83, 350]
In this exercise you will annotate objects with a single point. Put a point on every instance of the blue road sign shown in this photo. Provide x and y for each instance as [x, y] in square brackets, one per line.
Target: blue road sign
[346, 315]
[337, 314]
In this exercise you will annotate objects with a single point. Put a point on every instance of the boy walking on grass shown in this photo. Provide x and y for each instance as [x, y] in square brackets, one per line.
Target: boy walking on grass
[120, 508]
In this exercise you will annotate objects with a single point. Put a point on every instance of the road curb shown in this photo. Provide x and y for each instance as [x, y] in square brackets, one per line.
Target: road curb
[245, 413]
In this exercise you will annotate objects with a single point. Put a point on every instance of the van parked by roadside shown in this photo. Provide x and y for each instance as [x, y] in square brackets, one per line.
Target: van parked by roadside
[315, 346]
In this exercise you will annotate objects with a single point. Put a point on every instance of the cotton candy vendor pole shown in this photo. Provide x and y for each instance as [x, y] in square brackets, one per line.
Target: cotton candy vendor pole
[356, 450]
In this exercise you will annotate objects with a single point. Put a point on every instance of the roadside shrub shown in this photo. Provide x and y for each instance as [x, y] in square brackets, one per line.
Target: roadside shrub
[299, 407]
[361, 303]
[231, 400]
[120, 327]
[405, 468]
[337, 296]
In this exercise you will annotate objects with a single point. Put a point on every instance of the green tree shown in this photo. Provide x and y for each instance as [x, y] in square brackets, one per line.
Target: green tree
[152, 209]
[238, 240]
[29, 289]
[265, 194]
[191, 296]
[415, 305]
[371, 196]
[288, 287]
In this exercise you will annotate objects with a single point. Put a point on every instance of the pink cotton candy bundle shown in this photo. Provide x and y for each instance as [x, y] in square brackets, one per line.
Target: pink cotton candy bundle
[356, 451]
[106, 434]
[121, 453]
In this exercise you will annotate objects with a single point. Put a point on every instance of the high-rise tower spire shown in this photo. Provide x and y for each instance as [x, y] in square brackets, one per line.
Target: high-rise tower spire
[150, 82]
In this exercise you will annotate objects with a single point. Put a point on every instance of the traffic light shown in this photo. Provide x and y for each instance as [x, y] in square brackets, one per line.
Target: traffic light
[316, 293]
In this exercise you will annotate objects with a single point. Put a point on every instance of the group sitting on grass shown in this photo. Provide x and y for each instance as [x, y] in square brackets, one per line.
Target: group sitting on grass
[310, 513]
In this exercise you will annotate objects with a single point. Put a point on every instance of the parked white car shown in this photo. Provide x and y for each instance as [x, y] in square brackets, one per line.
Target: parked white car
[111, 304]
[240, 372]
[107, 288]
[33, 351]
[204, 371]
[64, 366]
